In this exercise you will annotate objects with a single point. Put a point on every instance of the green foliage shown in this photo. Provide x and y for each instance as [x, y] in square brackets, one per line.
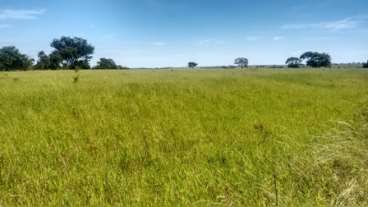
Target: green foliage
[75, 52]
[43, 61]
[293, 62]
[192, 64]
[55, 60]
[12, 59]
[365, 65]
[70, 53]
[52, 61]
[241, 62]
[106, 63]
[183, 138]
[82, 64]
[316, 60]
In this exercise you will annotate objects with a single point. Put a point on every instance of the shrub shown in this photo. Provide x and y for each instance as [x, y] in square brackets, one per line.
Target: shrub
[365, 65]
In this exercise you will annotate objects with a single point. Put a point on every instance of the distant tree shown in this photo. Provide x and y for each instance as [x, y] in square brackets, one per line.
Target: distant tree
[120, 67]
[293, 62]
[43, 61]
[241, 62]
[315, 59]
[12, 59]
[365, 65]
[82, 64]
[55, 60]
[52, 61]
[106, 63]
[192, 64]
[75, 52]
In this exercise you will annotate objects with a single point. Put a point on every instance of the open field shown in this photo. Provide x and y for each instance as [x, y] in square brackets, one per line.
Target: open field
[184, 138]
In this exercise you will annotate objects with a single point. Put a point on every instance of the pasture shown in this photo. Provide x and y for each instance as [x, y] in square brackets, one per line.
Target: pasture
[184, 138]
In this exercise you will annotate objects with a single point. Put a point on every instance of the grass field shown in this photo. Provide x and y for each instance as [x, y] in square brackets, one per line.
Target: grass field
[184, 138]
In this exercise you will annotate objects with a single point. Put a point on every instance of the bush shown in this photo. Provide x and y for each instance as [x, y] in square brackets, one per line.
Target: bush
[106, 63]
[241, 62]
[293, 62]
[192, 64]
[12, 59]
[365, 65]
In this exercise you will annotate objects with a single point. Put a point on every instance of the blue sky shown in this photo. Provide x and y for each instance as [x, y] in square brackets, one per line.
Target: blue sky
[158, 33]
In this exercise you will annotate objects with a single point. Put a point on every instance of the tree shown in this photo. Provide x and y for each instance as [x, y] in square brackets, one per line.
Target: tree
[192, 64]
[293, 62]
[82, 64]
[55, 60]
[43, 61]
[106, 63]
[315, 59]
[365, 65]
[52, 61]
[75, 52]
[12, 59]
[241, 62]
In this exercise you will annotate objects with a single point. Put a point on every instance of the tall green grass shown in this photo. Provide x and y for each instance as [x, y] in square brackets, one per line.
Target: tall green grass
[183, 138]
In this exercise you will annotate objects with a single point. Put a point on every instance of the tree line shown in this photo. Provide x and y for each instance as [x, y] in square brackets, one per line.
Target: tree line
[311, 59]
[68, 53]
[76, 53]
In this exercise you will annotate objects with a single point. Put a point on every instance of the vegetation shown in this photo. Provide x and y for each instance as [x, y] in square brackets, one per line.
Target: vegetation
[12, 59]
[192, 64]
[293, 62]
[52, 61]
[107, 63]
[241, 62]
[184, 138]
[365, 65]
[43, 61]
[74, 52]
[316, 60]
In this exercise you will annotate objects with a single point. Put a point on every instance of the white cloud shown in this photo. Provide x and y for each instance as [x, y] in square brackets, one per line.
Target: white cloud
[278, 38]
[253, 38]
[347, 23]
[159, 44]
[20, 14]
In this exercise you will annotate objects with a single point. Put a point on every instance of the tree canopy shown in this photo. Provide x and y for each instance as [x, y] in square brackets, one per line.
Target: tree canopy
[52, 61]
[12, 59]
[315, 59]
[192, 64]
[293, 62]
[43, 61]
[106, 63]
[365, 65]
[74, 52]
[241, 62]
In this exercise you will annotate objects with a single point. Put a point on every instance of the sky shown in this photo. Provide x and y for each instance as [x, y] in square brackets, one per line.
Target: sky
[165, 33]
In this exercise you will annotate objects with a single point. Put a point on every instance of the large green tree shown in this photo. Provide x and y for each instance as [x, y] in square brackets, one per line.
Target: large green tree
[12, 59]
[316, 59]
[75, 52]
